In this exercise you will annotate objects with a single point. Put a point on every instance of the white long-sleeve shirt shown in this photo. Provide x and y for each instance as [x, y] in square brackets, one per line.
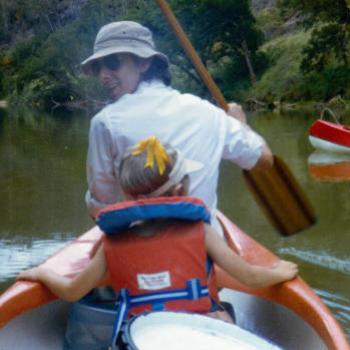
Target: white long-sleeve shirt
[202, 132]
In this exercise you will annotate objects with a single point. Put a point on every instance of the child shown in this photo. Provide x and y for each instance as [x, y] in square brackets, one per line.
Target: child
[149, 252]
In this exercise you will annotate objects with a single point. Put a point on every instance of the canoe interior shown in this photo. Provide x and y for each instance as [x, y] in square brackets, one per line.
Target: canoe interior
[43, 328]
[272, 321]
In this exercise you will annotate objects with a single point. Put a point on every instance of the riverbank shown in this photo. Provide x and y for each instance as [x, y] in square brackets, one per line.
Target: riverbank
[336, 106]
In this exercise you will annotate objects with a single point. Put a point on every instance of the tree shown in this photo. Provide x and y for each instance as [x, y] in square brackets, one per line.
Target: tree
[55, 36]
[329, 42]
[224, 33]
[222, 28]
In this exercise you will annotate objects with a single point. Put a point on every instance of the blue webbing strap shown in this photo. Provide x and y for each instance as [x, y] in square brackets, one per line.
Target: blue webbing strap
[192, 291]
[123, 303]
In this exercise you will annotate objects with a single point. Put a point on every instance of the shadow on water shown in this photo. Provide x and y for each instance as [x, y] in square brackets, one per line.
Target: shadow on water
[42, 186]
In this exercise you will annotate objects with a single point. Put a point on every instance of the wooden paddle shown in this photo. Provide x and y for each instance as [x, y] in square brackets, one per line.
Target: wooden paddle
[275, 189]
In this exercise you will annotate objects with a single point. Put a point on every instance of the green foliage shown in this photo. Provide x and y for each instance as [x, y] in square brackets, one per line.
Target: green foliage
[184, 76]
[2, 92]
[269, 20]
[320, 69]
[329, 41]
[328, 84]
[308, 64]
[44, 66]
[43, 42]
[222, 28]
[283, 79]
[224, 34]
[319, 10]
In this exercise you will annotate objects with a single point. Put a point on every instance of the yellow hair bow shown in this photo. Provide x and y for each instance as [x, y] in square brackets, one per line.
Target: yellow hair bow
[155, 153]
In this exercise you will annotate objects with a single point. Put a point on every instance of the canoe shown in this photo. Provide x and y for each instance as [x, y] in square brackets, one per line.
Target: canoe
[330, 137]
[290, 315]
[329, 167]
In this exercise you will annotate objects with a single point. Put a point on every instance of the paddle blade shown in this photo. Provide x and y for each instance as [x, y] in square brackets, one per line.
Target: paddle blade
[281, 197]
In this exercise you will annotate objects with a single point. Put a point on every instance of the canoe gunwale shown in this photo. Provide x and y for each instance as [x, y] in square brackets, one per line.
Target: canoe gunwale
[308, 306]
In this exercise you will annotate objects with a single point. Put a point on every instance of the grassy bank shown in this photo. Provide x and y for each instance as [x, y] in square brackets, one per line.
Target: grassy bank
[282, 80]
[285, 81]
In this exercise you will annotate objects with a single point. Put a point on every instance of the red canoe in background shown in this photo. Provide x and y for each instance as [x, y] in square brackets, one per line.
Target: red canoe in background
[290, 315]
[330, 137]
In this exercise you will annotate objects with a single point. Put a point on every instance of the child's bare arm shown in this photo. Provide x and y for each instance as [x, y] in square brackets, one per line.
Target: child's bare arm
[70, 289]
[250, 275]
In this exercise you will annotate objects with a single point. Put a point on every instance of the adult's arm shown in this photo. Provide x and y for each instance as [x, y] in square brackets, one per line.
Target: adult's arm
[242, 144]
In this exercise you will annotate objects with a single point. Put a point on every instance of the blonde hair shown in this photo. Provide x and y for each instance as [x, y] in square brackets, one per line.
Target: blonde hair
[138, 176]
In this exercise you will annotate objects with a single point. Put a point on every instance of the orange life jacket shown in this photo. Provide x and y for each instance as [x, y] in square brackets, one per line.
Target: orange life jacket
[163, 262]
[166, 271]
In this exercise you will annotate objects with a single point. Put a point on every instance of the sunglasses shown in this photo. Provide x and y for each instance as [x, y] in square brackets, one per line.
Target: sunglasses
[111, 62]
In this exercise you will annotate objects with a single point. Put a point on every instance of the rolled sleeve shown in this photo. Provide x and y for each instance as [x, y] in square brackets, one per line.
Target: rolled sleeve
[242, 145]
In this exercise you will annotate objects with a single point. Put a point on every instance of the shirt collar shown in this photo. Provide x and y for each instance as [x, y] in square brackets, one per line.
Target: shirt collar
[143, 85]
[154, 83]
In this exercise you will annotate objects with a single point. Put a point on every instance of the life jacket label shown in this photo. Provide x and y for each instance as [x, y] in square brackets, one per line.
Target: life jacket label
[154, 281]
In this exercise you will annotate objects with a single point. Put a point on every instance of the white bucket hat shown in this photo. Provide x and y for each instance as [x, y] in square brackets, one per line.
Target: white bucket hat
[123, 36]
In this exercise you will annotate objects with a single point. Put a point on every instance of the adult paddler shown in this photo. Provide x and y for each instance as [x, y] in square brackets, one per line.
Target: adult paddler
[143, 103]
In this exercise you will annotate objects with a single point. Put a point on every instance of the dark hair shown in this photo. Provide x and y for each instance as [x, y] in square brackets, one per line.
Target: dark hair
[157, 70]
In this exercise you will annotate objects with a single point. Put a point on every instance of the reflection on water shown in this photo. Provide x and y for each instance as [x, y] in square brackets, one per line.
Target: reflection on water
[318, 157]
[42, 185]
[329, 167]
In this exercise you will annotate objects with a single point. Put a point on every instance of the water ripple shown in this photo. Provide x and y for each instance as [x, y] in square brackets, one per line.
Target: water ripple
[319, 258]
[338, 304]
[17, 256]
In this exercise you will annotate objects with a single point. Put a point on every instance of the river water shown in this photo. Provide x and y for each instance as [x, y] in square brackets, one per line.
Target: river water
[42, 185]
